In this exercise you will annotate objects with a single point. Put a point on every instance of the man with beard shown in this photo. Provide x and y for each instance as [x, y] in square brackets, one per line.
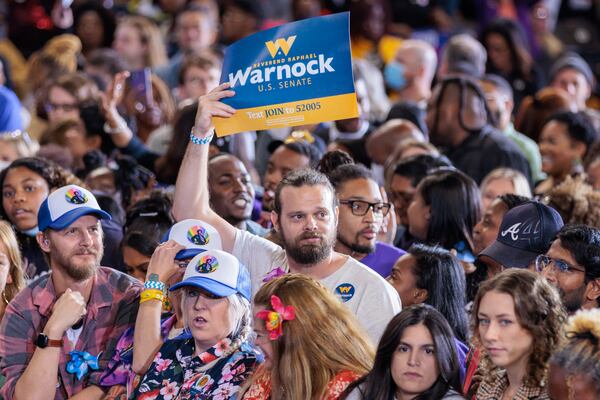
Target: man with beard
[58, 334]
[232, 193]
[572, 264]
[362, 213]
[305, 214]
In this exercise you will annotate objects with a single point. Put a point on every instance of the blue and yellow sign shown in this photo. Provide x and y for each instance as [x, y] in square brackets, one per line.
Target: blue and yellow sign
[295, 74]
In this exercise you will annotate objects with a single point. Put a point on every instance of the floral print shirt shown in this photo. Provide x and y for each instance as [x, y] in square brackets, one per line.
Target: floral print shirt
[176, 374]
[119, 370]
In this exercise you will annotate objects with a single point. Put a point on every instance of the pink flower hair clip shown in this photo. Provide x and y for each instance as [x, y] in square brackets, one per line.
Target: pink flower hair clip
[274, 318]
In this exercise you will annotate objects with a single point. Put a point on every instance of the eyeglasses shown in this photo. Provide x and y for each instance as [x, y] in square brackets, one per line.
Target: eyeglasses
[361, 208]
[543, 261]
[49, 107]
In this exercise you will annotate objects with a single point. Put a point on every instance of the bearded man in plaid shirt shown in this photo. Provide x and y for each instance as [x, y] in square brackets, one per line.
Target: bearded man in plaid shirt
[58, 334]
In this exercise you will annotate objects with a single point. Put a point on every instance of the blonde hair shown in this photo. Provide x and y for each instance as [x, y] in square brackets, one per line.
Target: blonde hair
[323, 340]
[8, 237]
[21, 142]
[518, 180]
[150, 36]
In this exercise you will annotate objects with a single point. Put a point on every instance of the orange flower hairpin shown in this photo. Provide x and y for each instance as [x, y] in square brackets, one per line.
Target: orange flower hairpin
[274, 318]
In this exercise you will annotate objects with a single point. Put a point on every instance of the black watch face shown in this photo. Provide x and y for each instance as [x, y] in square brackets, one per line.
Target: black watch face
[41, 341]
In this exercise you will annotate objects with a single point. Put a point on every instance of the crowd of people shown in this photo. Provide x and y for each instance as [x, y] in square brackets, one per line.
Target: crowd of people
[443, 244]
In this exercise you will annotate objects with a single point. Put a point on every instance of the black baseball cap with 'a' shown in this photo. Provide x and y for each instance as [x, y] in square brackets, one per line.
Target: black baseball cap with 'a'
[525, 232]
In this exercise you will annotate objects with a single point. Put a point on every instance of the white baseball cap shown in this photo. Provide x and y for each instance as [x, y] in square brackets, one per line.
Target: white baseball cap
[217, 272]
[196, 235]
[67, 204]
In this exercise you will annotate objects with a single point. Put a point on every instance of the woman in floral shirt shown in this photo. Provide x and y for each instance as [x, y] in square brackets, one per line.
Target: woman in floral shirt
[312, 343]
[212, 358]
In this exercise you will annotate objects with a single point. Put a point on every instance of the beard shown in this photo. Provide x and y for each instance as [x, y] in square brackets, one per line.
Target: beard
[81, 270]
[355, 246]
[308, 254]
[572, 300]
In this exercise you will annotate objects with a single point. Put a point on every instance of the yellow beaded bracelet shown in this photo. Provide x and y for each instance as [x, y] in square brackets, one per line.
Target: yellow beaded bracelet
[151, 294]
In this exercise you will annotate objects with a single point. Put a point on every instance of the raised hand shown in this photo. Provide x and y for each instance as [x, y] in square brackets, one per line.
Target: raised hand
[209, 106]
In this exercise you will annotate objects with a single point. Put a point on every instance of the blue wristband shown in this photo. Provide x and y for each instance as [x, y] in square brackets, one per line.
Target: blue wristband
[196, 140]
[154, 285]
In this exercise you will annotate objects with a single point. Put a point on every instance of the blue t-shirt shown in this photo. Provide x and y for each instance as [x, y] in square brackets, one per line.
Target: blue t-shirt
[383, 259]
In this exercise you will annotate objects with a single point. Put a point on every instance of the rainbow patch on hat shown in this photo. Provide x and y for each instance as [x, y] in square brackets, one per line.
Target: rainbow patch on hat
[207, 264]
[76, 196]
[198, 235]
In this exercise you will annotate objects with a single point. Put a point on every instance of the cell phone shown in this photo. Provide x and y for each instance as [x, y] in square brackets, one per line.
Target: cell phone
[140, 82]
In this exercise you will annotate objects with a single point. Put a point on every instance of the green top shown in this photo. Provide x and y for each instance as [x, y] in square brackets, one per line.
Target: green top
[530, 150]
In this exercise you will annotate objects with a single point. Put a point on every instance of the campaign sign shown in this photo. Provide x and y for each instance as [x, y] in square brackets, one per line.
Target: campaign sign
[295, 74]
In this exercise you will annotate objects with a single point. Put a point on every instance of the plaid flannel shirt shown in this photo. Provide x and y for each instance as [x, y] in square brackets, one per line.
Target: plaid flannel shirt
[493, 389]
[112, 308]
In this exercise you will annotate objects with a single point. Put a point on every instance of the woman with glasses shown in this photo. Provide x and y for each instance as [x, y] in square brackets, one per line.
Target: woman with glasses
[363, 215]
[444, 210]
[65, 96]
[517, 323]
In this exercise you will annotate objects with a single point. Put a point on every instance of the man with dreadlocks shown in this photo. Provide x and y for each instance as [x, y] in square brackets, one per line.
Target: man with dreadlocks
[460, 124]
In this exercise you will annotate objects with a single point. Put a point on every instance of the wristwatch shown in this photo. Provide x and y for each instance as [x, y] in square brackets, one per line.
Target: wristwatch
[44, 341]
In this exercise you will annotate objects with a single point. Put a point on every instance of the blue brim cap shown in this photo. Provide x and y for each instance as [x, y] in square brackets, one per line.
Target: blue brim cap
[71, 216]
[211, 286]
[188, 253]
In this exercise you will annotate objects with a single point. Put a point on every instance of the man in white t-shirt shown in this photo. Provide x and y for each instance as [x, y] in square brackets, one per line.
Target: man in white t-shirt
[305, 215]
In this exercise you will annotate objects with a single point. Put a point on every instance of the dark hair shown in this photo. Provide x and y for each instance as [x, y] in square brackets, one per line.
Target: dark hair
[468, 92]
[147, 222]
[583, 242]
[513, 200]
[455, 207]
[514, 37]
[107, 59]
[417, 167]
[349, 172]
[333, 159]
[379, 384]
[439, 272]
[579, 127]
[299, 178]
[129, 177]
[54, 175]
[111, 206]
[167, 167]
[107, 17]
[306, 149]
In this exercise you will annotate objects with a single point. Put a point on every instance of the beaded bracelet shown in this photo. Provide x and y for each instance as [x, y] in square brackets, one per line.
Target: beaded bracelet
[158, 285]
[196, 140]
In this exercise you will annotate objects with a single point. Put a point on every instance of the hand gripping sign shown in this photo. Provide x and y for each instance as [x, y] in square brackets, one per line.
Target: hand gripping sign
[295, 74]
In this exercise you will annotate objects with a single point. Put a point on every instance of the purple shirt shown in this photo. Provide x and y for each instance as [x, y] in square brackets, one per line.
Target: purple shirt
[383, 259]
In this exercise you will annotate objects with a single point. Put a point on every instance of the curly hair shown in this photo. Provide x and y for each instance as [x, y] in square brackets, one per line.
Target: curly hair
[54, 175]
[576, 201]
[539, 310]
[581, 353]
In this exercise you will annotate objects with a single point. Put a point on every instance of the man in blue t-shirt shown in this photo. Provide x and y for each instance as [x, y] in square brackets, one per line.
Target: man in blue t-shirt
[362, 212]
